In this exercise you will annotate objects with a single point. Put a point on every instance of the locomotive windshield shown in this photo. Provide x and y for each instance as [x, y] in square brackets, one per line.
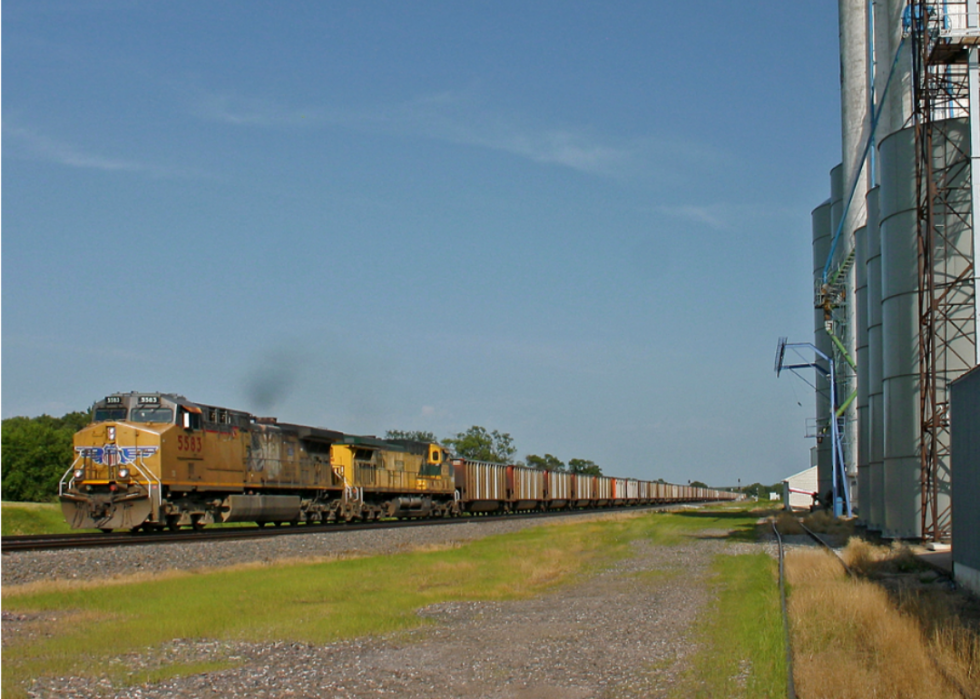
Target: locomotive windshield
[152, 415]
[109, 414]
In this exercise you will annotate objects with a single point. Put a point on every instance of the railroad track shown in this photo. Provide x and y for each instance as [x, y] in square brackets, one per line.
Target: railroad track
[41, 542]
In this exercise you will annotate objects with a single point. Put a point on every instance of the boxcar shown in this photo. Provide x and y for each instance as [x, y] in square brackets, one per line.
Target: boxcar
[603, 491]
[526, 486]
[482, 486]
[584, 490]
[558, 489]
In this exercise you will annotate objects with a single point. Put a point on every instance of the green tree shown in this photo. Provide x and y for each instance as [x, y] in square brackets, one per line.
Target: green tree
[584, 466]
[546, 462]
[36, 452]
[478, 444]
[698, 484]
[76, 420]
[412, 435]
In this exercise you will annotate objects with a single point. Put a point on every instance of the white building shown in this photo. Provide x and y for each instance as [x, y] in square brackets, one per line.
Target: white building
[799, 489]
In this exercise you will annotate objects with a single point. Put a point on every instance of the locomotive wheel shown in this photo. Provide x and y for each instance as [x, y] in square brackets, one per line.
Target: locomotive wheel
[173, 523]
[196, 523]
[105, 530]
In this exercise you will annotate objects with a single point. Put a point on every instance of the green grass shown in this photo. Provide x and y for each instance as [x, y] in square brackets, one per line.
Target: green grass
[17, 518]
[316, 602]
[722, 522]
[741, 648]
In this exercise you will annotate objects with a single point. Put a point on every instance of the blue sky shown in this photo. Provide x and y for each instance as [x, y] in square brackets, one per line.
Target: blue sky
[582, 223]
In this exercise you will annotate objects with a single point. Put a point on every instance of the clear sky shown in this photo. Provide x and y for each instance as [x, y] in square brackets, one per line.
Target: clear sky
[582, 223]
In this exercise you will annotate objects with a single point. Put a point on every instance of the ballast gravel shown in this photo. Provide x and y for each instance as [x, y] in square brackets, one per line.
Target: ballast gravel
[621, 633]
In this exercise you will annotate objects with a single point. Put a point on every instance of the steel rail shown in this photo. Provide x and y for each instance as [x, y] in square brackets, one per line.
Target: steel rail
[790, 681]
[42, 542]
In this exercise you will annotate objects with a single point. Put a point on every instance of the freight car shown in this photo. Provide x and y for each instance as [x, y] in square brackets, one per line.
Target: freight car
[157, 460]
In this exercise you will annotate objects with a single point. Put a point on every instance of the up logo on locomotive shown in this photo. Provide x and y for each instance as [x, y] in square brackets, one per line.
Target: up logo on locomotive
[111, 455]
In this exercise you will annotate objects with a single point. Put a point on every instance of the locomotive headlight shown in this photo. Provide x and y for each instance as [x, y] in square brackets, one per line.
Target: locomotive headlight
[124, 472]
[79, 473]
[111, 433]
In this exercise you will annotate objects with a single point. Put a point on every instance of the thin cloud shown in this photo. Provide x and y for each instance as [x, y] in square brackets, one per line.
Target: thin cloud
[565, 148]
[726, 216]
[698, 214]
[459, 117]
[240, 111]
[454, 117]
[465, 117]
[40, 146]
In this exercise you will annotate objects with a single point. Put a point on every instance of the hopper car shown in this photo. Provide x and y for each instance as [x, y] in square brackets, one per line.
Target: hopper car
[157, 460]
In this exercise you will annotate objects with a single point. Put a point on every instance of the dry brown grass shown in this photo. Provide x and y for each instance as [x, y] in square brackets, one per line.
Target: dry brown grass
[951, 626]
[957, 651]
[823, 522]
[868, 560]
[849, 641]
[851, 638]
[788, 524]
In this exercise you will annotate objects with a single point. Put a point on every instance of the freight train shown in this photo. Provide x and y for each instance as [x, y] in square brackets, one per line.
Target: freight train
[156, 460]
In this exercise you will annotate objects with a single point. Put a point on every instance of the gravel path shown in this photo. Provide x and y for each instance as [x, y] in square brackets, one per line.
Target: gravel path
[619, 634]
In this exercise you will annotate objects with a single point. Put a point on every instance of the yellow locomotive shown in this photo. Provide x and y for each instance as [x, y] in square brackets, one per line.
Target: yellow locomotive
[155, 460]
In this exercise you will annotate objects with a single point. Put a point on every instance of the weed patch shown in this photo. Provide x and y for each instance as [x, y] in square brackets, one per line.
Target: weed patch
[788, 525]
[823, 522]
[851, 640]
[741, 638]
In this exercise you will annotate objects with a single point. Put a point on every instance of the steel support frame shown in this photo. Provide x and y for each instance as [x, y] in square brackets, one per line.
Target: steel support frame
[941, 88]
[841, 492]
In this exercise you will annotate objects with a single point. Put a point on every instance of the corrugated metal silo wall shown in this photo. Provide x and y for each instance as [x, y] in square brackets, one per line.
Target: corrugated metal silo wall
[873, 499]
[900, 336]
[863, 408]
[965, 451]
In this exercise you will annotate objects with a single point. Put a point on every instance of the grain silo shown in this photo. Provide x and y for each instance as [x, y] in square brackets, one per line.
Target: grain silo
[896, 286]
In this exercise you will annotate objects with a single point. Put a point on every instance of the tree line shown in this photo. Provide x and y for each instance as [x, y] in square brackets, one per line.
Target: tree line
[498, 448]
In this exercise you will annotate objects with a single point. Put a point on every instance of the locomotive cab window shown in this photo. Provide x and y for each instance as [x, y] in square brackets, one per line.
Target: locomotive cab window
[152, 415]
[109, 415]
